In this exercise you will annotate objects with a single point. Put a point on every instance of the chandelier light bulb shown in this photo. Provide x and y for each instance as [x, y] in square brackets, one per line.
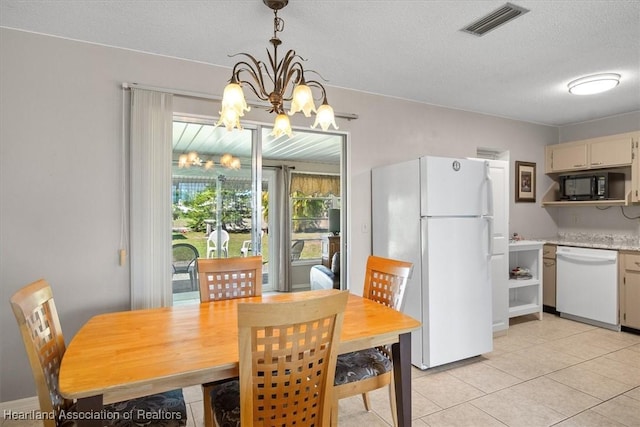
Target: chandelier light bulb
[593, 84]
[302, 100]
[281, 126]
[235, 163]
[225, 160]
[208, 165]
[325, 117]
[193, 158]
[182, 161]
[230, 118]
[233, 97]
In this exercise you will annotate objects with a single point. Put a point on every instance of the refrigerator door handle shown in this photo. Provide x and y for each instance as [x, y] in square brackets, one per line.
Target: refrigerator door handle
[489, 182]
[490, 233]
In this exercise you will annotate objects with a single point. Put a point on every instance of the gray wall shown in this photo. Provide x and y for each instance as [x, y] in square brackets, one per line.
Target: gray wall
[60, 169]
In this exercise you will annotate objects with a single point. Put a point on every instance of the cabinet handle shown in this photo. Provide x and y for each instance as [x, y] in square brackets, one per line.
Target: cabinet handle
[596, 163]
[549, 264]
[637, 263]
[578, 166]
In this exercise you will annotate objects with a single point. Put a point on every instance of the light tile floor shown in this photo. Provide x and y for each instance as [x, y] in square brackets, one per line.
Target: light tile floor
[549, 372]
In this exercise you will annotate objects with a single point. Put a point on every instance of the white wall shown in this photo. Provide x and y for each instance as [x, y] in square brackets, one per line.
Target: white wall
[60, 168]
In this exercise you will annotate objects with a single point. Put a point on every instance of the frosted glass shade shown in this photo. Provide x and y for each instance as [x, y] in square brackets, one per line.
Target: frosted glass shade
[233, 106]
[325, 117]
[282, 126]
[302, 101]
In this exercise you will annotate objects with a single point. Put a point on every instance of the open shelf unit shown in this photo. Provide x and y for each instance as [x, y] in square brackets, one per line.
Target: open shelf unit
[525, 295]
[550, 198]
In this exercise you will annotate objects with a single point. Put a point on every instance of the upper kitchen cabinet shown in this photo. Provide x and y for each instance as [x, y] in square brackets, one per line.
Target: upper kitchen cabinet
[597, 153]
[615, 153]
[612, 152]
[566, 157]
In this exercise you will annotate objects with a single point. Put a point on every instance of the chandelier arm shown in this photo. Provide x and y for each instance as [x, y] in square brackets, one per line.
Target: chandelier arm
[295, 74]
[318, 85]
[290, 69]
[255, 71]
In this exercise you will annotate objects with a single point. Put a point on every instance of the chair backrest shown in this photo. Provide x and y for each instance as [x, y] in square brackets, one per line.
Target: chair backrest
[229, 278]
[386, 280]
[296, 249]
[212, 241]
[288, 354]
[184, 256]
[39, 325]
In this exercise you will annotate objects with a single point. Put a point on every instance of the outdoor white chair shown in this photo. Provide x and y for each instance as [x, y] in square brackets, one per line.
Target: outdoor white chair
[212, 243]
[247, 246]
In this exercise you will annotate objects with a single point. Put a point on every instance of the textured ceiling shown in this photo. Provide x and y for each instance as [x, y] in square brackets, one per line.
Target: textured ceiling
[405, 49]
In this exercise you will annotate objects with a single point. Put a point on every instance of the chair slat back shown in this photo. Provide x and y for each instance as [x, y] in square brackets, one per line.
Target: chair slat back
[288, 357]
[229, 278]
[37, 317]
[386, 280]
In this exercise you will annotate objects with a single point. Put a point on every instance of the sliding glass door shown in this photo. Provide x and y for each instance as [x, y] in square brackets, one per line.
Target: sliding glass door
[214, 209]
[232, 197]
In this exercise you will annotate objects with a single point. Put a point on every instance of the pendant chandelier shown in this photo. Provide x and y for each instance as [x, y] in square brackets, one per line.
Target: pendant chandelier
[288, 83]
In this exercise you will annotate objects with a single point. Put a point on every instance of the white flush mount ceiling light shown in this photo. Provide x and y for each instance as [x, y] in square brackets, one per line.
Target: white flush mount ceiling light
[593, 84]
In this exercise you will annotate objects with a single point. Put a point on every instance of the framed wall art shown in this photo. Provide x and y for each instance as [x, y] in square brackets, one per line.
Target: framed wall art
[525, 182]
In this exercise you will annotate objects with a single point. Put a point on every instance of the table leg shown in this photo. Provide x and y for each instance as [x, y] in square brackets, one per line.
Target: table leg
[88, 406]
[401, 353]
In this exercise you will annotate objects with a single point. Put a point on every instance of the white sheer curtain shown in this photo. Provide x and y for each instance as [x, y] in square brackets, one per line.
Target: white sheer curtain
[283, 180]
[151, 133]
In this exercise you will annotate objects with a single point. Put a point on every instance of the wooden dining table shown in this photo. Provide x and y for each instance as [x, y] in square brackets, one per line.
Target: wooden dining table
[123, 355]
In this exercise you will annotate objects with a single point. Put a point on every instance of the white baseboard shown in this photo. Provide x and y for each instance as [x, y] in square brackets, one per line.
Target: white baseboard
[21, 405]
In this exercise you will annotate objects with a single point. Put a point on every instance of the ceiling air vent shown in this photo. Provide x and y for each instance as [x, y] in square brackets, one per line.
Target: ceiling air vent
[493, 20]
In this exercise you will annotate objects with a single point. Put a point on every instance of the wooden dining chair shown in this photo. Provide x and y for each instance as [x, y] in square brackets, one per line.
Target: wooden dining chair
[363, 371]
[35, 311]
[229, 278]
[226, 278]
[287, 355]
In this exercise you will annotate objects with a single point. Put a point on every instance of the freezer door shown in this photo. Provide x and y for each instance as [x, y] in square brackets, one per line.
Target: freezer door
[453, 187]
[456, 279]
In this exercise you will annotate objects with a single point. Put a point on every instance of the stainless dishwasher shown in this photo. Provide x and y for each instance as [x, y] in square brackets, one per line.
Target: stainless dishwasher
[587, 285]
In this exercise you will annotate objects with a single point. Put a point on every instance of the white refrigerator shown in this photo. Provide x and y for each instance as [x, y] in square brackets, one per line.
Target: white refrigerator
[436, 212]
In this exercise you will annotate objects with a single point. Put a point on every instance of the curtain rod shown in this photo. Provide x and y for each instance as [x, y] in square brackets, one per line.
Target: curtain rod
[125, 86]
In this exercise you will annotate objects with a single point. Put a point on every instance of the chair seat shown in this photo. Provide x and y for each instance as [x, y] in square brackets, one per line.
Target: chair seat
[225, 402]
[360, 365]
[157, 410]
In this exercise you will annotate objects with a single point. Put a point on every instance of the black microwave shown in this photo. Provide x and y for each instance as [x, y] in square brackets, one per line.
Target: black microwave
[596, 186]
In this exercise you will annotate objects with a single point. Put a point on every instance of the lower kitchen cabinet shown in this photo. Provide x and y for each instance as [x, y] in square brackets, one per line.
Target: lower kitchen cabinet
[629, 282]
[525, 290]
[549, 278]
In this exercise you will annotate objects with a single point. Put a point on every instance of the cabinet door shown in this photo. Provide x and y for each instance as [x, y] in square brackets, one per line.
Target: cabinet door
[611, 152]
[635, 169]
[549, 282]
[568, 157]
[630, 291]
